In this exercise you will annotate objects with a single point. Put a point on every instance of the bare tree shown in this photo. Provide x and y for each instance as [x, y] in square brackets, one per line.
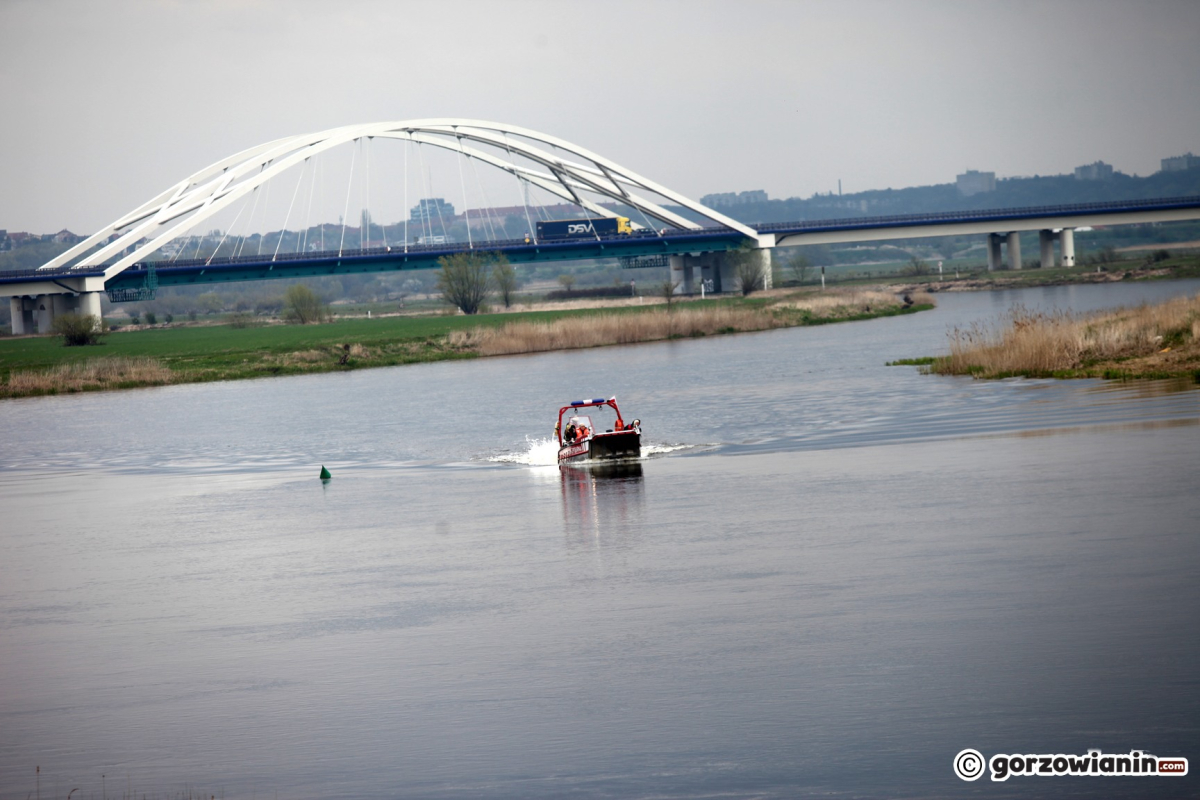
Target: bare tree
[747, 268]
[799, 264]
[916, 266]
[465, 279]
[666, 290]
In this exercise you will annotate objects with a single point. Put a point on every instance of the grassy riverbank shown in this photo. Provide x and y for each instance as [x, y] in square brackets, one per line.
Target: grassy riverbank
[1149, 341]
[157, 356]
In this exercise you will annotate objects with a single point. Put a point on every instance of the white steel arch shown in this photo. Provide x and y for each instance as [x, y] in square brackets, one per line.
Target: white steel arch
[186, 204]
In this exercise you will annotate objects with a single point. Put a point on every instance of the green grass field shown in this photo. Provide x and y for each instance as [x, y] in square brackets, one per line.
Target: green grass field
[195, 353]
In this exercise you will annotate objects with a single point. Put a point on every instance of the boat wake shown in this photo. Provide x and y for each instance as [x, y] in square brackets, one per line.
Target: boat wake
[537, 453]
[541, 452]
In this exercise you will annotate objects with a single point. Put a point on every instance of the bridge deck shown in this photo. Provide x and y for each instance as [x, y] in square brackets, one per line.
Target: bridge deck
[671, 241]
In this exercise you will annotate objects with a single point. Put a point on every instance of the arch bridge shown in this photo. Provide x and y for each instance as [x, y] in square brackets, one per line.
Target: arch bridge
[148, 246]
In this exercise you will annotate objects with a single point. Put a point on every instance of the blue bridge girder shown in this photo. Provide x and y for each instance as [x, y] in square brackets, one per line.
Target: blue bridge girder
[668, 242]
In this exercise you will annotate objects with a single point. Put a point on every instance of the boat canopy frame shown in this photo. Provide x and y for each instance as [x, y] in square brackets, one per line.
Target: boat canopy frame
[575, 405]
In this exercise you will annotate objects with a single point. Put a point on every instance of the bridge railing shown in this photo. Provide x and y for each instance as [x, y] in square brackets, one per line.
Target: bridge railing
[982, 214]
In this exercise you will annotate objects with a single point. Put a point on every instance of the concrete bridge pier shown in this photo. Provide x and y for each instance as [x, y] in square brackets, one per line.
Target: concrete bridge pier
[1046, 246]
[993, 251]
[37, 314]
[682, 269]
[88, 305]
[724, 270]
[1014, 250]
[1067, 246]
[21, 310]
[764, 256]
[43, 312]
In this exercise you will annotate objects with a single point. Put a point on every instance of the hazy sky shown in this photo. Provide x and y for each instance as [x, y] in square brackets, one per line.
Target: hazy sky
[107, 103]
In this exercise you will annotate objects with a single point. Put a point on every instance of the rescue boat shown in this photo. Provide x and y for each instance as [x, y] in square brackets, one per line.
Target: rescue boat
[579, 438]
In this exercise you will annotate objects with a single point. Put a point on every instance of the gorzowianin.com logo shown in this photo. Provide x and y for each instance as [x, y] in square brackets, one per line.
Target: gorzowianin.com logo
[970, 765]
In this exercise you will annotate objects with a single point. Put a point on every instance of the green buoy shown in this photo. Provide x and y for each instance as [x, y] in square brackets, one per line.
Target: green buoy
[325, 473]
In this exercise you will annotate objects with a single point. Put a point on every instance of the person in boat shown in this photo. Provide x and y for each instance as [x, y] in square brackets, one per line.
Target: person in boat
[569, 433]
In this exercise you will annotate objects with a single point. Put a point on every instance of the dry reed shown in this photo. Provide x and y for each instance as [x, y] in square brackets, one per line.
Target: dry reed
[657, 323]
[1040, 343]
[95, 373]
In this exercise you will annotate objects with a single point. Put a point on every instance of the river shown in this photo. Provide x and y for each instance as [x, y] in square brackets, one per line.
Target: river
[826, 577]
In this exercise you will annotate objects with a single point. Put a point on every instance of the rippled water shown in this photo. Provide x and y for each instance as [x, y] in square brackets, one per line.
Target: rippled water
[827, 576]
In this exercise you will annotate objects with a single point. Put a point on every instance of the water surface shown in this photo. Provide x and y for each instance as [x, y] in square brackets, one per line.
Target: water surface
[827, 577]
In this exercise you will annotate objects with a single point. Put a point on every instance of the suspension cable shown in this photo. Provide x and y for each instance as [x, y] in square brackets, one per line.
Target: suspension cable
[522, 189]
[429, 189]
[463, 183]
[349, 185]
[288, 217]
[249, 223]
[232, 225]
[382, 226]
[487, 205]
[312, 184]
[407, 212]
[364, 196]
[266, 208]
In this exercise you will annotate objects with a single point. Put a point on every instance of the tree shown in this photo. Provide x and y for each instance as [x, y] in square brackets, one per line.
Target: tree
[302, 305]
[666, 290]
[799, 264]
[916, 267]
[505, 279]
[567, 281]
[465, 279]
[747, 268]
[77, 330]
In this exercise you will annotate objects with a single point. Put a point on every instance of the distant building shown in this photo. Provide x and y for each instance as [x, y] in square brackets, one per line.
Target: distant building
[1099, 171]
[1180, 163]
[5, 243]
[430, 209]
[974, 182]
[730, 199]
[66, 237]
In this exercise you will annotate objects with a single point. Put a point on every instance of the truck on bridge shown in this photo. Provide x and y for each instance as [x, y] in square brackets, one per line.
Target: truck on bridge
[549, 230]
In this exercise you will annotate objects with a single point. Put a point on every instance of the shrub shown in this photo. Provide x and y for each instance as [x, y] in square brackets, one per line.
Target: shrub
[302, 305]
[594, 291]
[78, 330]
[151, 318]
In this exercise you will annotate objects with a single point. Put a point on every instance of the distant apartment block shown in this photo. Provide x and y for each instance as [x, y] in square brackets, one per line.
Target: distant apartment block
[975, 182]
[1098, 171]
[431, 209]
[1180, 163]
[730, 199]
